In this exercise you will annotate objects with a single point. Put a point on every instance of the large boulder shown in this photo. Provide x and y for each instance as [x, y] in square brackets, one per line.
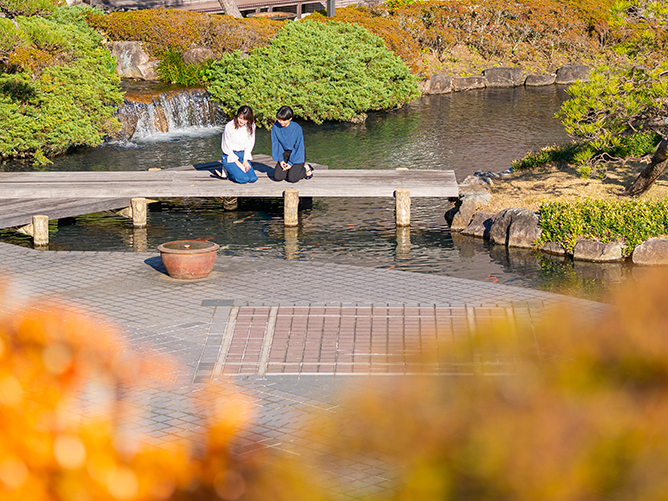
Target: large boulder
[515, 228]
[133, 62]
[479, 226]
[598, 252]
[462, 217]
[460, 84]
[568, 74]
[652, 252]
[540, 80]
[504, 76]
[197, 55]
[437, 84]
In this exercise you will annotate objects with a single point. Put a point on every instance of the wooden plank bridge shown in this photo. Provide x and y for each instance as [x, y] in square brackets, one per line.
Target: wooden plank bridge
[55, 195]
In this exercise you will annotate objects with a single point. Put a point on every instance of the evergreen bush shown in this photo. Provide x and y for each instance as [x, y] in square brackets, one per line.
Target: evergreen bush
[324, 71]
[59, 90]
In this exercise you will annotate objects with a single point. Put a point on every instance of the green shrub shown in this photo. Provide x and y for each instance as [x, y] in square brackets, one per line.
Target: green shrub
[324, 71]
[630, 221]
[13, 8]
[386, 27]
[60, 92]
[555, 154]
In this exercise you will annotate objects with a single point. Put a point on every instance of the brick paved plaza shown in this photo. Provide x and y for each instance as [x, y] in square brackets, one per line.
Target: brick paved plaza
[292, 336]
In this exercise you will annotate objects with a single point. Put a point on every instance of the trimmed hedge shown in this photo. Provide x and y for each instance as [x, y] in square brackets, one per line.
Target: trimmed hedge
[630, 221]
[324, 71]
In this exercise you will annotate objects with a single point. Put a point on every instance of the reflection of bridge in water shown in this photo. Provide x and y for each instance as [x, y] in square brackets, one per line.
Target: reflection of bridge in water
[298, 7]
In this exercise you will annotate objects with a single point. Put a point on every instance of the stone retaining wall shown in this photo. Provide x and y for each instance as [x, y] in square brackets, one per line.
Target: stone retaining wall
[502, 76]
[519, 228]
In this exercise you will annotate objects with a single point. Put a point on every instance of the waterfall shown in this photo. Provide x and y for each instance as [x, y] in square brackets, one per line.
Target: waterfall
[145, 115]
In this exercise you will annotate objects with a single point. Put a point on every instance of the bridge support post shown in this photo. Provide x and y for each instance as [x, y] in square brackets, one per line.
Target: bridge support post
[138, 212]
[230, 203]
[40, 230]
[290, 207]
[403, 207]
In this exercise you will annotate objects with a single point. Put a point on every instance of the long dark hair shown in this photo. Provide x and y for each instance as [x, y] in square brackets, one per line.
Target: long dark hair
[247, 113]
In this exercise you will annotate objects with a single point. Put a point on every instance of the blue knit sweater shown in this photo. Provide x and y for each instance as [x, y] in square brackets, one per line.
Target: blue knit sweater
[288, 138]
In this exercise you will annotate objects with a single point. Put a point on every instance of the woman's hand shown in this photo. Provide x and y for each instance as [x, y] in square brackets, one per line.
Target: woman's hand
[247, 166]
[285, 165]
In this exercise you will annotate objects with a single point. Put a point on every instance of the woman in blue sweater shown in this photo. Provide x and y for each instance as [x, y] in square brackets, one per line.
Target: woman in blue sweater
[287, 149]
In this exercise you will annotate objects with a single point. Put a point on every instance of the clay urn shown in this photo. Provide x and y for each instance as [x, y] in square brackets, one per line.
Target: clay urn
[188, 259]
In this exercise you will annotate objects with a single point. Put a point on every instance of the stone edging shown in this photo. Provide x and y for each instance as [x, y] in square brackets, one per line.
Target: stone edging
[519, 228]
[502, 77]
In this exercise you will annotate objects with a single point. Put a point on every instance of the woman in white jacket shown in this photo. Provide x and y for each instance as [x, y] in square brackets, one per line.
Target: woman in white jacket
[237, 145]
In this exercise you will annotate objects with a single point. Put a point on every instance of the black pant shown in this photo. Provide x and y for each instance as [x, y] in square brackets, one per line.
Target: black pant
[295, 173]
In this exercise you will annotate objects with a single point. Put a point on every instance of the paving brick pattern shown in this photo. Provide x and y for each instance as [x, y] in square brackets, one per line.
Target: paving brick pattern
[288, 338]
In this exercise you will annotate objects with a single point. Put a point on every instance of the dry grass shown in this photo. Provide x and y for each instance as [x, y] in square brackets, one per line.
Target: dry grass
[528, 189]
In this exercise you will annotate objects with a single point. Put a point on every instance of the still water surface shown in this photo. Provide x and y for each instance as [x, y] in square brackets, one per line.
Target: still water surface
[464, 132]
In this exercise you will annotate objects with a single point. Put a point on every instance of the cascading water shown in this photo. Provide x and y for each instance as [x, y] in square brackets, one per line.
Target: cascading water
[143, 116]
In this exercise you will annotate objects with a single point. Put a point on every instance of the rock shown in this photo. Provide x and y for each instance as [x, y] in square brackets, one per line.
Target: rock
[464, 214]
[540, 80]
[590, 250]
[460, 84]
[73, 2]
[481, 198]
[132, 61]
[437, 84]
[554, 249]
[197, 55]
[504, 76]
[515, 228]
[473, 179]
[568, 74]
[652, 252]
[479, 226]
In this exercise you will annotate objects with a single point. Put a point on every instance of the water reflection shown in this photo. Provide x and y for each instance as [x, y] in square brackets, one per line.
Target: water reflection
[346, 231]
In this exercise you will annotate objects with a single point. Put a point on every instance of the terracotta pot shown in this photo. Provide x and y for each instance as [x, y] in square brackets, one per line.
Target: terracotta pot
[188, 259]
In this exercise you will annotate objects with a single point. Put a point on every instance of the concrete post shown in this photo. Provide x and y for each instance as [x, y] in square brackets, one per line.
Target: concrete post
[138, 212]
[291, 242]
[290, 207]
[230, 203]
[403, 250]
[40, 228]
[403, 207]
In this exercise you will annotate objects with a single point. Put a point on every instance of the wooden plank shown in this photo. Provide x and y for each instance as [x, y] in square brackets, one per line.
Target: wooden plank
[19, 212]
[202, 183]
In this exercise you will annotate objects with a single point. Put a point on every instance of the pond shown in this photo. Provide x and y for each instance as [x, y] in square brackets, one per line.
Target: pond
[465, 132]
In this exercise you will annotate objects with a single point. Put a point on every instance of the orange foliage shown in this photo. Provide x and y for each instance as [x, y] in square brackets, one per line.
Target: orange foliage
[163, 30]
[52, 448]
[584, 417]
